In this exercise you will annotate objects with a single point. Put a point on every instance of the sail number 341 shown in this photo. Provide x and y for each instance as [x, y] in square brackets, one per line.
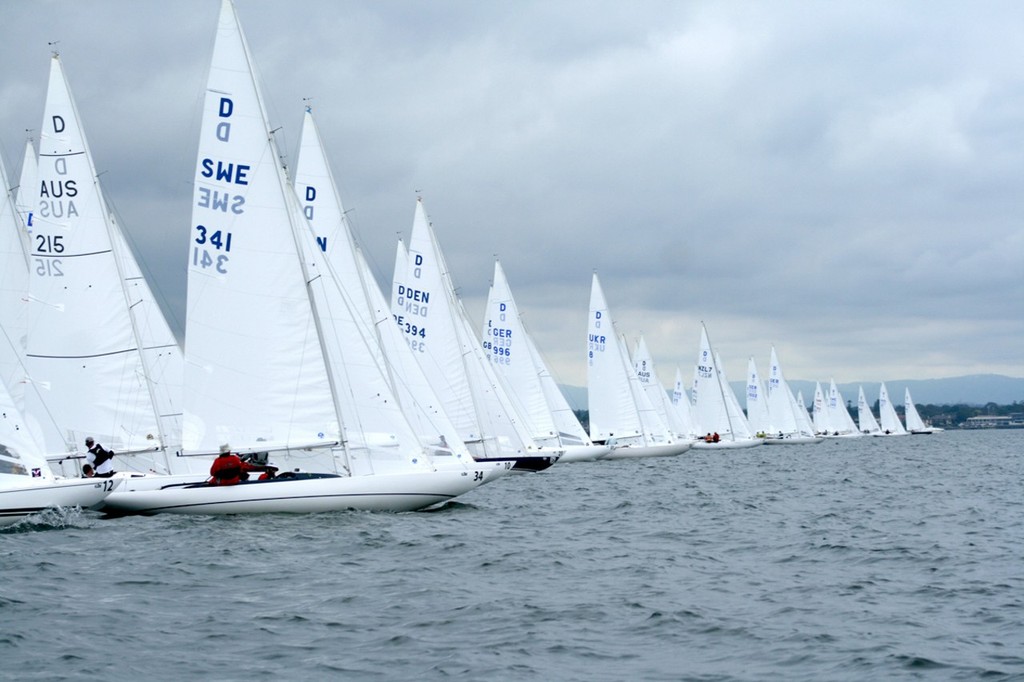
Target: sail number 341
[208, 247]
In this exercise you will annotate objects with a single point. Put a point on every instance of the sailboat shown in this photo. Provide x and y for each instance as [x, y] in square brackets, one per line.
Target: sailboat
[514, 356]
[785, 423]
[914, 422]
[647, 374]
[681, 402]
[757, 402]
[100, 359]
[27, 484]
[438, 330]
[715, 407]
[819, 416]
[263, 377]
[890, 422]
[621, 414]
[803, 419]
[865, 419]
[841, 424]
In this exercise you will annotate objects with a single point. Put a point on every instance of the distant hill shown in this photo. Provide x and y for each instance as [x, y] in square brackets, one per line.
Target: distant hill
[975, 389]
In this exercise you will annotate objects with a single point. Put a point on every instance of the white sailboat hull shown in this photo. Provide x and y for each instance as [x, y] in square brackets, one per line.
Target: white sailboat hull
[584, 453]
[634, 451]
[793, 440]
[18, 502]
[380, 492]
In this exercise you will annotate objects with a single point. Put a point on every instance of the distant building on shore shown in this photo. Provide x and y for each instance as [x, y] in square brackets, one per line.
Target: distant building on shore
[1010, 421]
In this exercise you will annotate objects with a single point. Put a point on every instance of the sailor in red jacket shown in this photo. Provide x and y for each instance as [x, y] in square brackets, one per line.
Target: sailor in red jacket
[226, 469]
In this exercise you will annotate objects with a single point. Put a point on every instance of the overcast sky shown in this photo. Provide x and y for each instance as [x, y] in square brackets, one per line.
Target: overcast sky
[841, 179]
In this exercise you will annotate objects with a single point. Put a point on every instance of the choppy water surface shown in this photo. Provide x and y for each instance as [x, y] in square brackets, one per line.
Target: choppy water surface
[848, 560]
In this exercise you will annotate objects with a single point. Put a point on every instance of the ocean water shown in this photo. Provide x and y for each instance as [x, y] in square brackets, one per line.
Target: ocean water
[897, 558]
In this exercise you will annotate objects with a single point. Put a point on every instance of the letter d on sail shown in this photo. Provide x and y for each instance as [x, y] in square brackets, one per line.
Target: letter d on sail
[58, 124]
[227, 107]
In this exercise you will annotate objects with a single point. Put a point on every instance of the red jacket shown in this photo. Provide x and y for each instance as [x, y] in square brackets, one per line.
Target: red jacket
[226, 470]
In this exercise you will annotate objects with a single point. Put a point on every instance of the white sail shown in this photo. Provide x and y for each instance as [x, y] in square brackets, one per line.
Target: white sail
[255, 372]
[653, 427]
[681, 403]
[890, 422]
[504, 344]
[613, 412]
[621, 414]
[27, 193]
[840, 421]
[780, 400]
[709, 403]
[13, 294]
[20, 453]
[757, 403]
[803, 419]
[820, 415]
[646, 372]
[865, 418]
[98, 351]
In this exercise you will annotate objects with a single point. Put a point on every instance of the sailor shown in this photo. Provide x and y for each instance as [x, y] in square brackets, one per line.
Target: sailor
[99, 459]
[87, 471]
[226, 469]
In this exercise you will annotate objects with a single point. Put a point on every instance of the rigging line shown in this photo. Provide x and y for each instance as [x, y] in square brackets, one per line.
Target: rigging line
[81, 357]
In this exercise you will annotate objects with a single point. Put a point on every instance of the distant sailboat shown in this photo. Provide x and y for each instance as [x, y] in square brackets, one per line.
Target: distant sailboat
[676, 420]
[841, 424]
[865, 419]
[818, 415]
[757, 402]
[786, 424]
[803, 419]
[716, 410]
[914, 422]
[681, 402]
[621, 414]
[514, 356]
[890, 422]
